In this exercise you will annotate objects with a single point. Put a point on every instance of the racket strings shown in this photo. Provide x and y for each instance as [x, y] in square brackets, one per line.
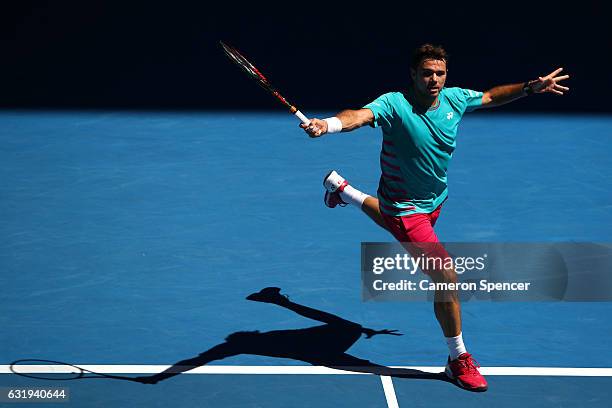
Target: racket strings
[254, 73]
[46, 370]
[249, 68]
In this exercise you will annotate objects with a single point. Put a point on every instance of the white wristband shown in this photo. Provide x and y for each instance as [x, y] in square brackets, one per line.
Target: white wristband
[334, 125]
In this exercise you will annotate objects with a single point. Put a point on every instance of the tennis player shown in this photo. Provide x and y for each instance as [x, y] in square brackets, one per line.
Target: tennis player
[419, 129]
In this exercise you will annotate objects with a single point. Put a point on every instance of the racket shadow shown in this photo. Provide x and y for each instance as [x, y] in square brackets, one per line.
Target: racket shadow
[52, 370]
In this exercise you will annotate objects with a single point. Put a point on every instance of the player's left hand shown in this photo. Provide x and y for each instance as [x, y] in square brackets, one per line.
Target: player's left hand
[549, 83]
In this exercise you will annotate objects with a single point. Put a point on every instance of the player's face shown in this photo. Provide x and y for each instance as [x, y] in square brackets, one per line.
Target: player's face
[429, 77]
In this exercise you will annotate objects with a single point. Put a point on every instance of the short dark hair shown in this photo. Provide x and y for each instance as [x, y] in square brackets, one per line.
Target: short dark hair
[428, 51]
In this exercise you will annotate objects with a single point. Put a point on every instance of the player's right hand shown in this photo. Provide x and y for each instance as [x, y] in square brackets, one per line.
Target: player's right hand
[316, 128]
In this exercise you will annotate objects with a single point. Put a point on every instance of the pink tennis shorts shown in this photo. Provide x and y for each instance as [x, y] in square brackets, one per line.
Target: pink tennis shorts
[416, 227]
[416, 232]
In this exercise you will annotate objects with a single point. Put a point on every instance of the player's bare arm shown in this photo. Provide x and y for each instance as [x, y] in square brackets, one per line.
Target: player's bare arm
[503, 94]
[349, 119]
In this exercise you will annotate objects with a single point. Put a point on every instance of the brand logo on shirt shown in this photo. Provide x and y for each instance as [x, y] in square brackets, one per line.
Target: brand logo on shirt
[449, 115]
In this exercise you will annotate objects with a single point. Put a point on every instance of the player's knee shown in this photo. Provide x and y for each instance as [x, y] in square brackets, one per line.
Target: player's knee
[444, 275]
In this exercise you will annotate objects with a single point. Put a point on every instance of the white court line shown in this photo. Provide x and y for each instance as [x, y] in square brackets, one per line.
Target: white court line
[387, 383]
[389, 391]
[310, 370]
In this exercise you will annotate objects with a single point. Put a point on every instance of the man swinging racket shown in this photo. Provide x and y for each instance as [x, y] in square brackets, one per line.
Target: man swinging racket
[419, 130]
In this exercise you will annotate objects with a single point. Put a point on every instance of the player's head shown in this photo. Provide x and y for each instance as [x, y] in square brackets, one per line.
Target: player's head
[428, 69]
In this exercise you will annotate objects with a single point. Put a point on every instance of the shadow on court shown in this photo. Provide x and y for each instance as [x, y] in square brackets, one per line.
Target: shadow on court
[323, 345]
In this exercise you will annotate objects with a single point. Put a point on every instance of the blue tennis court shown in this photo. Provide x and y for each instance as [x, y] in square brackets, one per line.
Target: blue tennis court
[131, 239]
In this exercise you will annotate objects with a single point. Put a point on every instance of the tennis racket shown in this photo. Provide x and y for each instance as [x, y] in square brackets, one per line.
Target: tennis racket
[57, 370]
[234, 55]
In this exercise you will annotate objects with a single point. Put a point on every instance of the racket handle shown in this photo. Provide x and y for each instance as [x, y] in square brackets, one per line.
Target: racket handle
[303, 118]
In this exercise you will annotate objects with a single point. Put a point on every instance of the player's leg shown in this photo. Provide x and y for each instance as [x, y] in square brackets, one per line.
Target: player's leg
[339, 192]
[371, 208]
[417, 232]
[447, 306]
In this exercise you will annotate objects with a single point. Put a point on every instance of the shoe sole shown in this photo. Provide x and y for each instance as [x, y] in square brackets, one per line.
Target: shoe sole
[327, 204]
[461, 384]
[326, 190]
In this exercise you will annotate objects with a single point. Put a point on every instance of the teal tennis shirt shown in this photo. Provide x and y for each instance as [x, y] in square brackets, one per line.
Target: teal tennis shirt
[417, 148]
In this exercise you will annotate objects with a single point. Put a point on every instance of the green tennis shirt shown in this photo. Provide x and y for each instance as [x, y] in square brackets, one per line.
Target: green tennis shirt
[417, 147]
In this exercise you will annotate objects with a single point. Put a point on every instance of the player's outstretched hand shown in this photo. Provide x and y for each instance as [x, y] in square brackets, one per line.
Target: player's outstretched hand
[370, 333]
[316, 128]
[549, 83]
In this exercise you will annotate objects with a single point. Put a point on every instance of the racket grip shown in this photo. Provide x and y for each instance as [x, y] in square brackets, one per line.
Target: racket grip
[303, 118]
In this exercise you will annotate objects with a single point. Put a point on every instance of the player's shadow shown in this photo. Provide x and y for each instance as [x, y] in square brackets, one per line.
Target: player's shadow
[323, 345]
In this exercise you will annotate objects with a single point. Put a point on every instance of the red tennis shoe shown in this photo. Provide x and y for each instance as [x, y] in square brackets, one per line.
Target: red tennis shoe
[464, 371]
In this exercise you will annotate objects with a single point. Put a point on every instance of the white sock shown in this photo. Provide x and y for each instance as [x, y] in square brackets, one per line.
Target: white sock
[456, 346]
[353, 196]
